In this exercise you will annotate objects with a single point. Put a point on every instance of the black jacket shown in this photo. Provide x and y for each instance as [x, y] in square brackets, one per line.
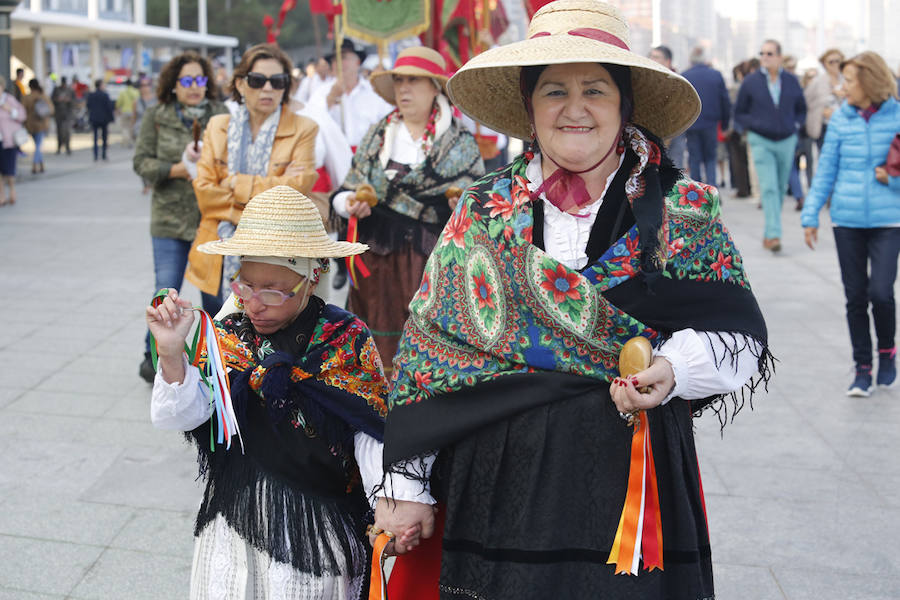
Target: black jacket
[100, 108]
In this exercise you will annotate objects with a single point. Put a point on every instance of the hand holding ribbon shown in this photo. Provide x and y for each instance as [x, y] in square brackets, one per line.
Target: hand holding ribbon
[170, 318]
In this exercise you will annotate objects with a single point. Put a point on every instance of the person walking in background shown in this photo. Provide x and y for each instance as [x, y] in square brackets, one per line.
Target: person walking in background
[262, 145]
[166, 159]
[824, 95]
[100, 114]
[735, 143]
[715, 112]
[38, 109]
[63, 98]
[678, 144]
[20, 90]
[865, 211]
[125, 106]
[795, 186]
[770, 107]
[12, 115]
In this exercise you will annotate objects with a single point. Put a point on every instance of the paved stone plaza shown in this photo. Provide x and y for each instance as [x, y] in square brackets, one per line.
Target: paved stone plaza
[803, 492]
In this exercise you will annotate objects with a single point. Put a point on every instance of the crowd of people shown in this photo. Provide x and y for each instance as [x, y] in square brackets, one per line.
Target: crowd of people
[836, 126]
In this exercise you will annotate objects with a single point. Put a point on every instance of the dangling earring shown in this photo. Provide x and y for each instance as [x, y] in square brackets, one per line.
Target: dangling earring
[620, 146]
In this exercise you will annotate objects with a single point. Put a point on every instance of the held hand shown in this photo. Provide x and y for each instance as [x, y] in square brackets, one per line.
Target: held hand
[644, 390]
[334, 96]
[170, 322]
[811, 236]
[409, 521]
[357, 209]
[190, 154]
[179, 171]
[881, 175]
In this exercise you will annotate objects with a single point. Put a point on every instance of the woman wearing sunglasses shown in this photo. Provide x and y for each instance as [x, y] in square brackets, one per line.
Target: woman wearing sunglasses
[166, 159]
[261, 145]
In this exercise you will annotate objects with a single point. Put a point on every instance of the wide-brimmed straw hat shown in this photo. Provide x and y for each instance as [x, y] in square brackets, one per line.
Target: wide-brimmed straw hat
[419, 61]
[571, 31]
[282, 222]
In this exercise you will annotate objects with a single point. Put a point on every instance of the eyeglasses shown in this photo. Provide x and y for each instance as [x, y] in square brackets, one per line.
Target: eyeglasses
[833, 61]
[769, 53]
[267, 297]
[279, 81]
[188, 81]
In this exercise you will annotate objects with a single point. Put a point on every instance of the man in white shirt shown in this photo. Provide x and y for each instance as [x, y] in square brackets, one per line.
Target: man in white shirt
[321, 78]
[351, 102]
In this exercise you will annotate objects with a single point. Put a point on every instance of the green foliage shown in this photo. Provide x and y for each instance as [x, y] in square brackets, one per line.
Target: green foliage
[241, 19]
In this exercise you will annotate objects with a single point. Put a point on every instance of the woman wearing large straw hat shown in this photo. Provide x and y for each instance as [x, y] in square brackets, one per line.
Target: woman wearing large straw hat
[285, 516]
[507, 402]
[411, 158]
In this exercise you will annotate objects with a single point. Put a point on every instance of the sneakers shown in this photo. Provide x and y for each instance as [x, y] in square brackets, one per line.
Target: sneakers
[887, 369]
[146, 369]
[773, 244]
[862, 385]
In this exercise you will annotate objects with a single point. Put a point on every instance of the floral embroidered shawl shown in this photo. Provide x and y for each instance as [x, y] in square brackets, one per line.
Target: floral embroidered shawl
[491, 304]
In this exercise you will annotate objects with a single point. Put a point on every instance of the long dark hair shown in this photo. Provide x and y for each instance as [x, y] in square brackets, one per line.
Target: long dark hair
[168, 77]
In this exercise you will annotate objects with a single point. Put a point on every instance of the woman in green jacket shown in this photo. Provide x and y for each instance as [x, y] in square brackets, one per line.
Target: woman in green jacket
[166, 155]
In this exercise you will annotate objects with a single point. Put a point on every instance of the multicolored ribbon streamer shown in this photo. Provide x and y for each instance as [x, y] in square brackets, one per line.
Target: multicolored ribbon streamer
[378, 582]
[213, 374]
[355, 261]
[640, 529]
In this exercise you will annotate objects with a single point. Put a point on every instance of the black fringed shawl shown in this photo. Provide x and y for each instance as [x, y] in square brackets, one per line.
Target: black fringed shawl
[300, 395]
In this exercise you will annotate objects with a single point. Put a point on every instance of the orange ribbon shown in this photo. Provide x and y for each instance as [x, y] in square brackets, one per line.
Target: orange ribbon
[378, 582]
[640, 528]
[353, 261]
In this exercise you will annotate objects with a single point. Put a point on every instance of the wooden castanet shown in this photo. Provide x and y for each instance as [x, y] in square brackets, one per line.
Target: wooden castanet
[366, 193]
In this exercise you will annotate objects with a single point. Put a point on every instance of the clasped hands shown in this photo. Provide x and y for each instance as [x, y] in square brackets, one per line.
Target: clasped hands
[409, 522]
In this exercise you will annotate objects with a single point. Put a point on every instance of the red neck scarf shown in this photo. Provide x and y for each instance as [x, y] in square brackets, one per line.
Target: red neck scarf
[566, 189]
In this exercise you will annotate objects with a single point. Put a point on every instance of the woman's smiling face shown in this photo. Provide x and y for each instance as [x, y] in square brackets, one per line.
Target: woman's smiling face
[576, 113]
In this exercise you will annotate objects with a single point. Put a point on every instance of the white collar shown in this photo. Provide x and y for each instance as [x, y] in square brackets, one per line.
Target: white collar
[535, 176]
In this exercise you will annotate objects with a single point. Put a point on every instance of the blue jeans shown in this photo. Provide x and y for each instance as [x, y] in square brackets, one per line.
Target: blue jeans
[38, 140]
[868, 260]
[102, 132]
[170, 257]
[773, 160]
[702, 145]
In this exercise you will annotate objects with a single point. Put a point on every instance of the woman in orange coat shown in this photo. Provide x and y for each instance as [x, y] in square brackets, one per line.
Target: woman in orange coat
[260, 145]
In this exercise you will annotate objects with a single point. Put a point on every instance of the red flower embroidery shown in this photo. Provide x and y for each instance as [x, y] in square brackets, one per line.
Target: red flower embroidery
[456, 228]
[722, 266]
[563, 284]
[483, 291]
[692, 194]
[499, 206]
[423, 380]
[519, 191]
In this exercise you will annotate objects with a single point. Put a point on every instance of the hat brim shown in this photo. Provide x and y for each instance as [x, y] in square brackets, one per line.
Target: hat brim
[487, 87]
[260, 246]
[383, 83]
[362, 56]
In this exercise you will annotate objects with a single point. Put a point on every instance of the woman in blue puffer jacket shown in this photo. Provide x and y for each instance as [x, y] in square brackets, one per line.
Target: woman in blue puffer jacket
[865, 210]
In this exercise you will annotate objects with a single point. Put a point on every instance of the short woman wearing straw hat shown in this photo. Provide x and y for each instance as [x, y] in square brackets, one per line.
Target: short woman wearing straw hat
[411, 158]
[284, 517]
[507, 401]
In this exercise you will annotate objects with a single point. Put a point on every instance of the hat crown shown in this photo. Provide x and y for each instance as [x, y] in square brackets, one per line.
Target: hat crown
[562, 16]
[426, 53]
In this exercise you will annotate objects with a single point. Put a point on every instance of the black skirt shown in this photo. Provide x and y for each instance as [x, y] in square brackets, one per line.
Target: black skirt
[533, 504]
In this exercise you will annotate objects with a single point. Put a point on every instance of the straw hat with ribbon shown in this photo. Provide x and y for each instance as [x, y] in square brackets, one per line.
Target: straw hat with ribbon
[282, 222]
[419, 61]
[571, 31]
